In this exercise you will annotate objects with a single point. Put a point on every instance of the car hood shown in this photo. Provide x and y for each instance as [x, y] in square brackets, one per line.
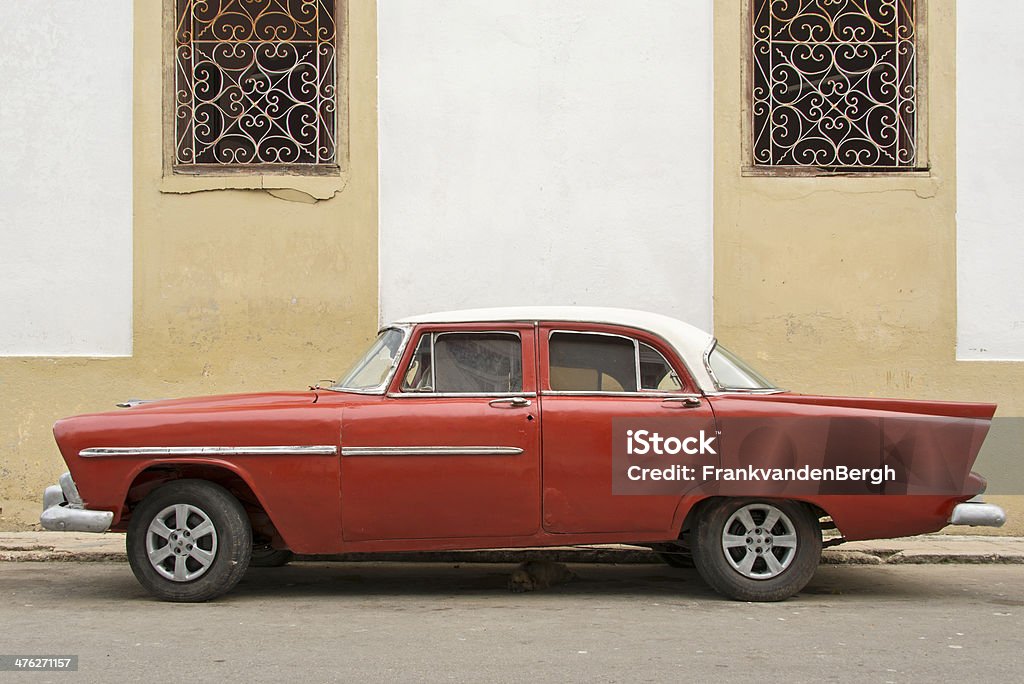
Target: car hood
[266, 418]
[247, 400]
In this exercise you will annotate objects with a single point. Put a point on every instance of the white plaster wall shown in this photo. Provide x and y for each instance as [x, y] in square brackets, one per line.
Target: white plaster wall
[66, 178]
[546, 152]
[990, 185]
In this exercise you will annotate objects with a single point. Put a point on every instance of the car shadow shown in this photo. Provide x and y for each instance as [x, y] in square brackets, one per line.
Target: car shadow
[476, 581]
[384, 579]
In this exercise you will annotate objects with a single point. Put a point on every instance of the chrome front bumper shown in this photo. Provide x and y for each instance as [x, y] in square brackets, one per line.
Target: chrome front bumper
[977, 514]
[64, 510]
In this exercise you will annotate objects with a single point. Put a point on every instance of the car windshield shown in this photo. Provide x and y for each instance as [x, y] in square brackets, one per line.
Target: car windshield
[373, 368]
[731, 372]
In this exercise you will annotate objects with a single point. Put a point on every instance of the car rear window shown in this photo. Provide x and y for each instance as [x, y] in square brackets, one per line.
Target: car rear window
[593, 362]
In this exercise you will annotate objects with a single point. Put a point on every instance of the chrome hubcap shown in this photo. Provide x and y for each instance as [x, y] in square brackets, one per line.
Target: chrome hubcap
[181, 543]
[759, 541]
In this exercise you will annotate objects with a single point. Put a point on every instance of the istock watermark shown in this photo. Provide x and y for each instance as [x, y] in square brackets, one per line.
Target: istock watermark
[643, 442]
[764, 455]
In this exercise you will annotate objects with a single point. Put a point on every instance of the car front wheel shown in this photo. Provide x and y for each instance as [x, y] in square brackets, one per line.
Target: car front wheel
[757, 550]
[189, 541]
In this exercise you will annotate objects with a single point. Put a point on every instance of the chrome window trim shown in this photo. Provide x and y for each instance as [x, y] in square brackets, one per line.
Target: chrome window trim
[433, 366]
[649, 394]
[299, 450]
[681, 339]
[721, 389]
[636, 352]
[707, 363]
[675, 374]
[727, 391]
[554, 331]
[434, 334]
[636, 362]
[375, 391]
[459, 395]
[431, 451]
[406, 330]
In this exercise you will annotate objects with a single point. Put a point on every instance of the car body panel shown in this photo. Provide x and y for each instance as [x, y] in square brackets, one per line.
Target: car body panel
[475, 471]
[421, 483]
[292, 488]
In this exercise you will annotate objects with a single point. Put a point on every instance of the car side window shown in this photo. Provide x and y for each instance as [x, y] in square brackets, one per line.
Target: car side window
[655, 371]
[593, 362]
[584, 362]
[466, 363]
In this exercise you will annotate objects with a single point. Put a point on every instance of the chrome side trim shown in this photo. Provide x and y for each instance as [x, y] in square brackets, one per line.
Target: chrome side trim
[645, 394]
[311, 450]
[431, 451]
[459, 395]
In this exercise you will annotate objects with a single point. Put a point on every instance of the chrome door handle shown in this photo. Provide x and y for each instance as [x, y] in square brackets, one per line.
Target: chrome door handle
[517, 402]
[687, 402]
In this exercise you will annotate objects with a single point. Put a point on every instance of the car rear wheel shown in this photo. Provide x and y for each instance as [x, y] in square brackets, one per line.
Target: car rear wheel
[757, 550]
[189, 541]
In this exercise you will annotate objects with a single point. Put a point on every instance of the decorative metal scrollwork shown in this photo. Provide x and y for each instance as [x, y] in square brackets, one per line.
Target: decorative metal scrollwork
[834, 83]
[255, 82]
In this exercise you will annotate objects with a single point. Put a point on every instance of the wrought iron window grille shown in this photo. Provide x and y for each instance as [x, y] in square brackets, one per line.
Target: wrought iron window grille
[834, 84]
[255, 84]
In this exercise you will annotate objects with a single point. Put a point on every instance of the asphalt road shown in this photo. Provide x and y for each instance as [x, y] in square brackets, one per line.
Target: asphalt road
[367, 622]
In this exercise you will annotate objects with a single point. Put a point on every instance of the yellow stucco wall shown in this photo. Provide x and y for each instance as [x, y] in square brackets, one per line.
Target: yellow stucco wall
[848, 285]
[831, 285]
[234, 290]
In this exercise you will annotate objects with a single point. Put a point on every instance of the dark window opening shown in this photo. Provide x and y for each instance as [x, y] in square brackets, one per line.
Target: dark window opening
[255, 83]
[475, 363]
[834, 84]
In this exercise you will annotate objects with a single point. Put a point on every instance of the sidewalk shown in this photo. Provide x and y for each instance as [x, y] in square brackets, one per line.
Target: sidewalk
[70, 546]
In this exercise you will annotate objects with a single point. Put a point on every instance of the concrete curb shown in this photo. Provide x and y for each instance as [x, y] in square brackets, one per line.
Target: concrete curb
[931, 549]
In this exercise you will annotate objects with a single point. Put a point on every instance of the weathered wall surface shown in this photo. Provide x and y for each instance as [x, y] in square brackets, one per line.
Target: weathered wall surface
[834, 285]
[539, 152]
[848, 285]
[65, 116]
[990, 203]
[233, 290]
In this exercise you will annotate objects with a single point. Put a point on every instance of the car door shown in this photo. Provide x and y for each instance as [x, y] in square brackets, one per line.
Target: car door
[595, 383]
[452, 451]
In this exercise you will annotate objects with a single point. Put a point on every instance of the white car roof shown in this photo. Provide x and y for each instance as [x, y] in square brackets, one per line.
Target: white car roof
[689, 342]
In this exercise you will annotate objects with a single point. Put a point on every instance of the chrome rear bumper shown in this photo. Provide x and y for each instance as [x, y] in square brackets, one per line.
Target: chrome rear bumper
[977, 514]
[64, 510]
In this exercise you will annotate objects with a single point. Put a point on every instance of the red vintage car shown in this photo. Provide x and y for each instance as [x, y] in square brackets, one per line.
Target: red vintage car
[520, 427]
